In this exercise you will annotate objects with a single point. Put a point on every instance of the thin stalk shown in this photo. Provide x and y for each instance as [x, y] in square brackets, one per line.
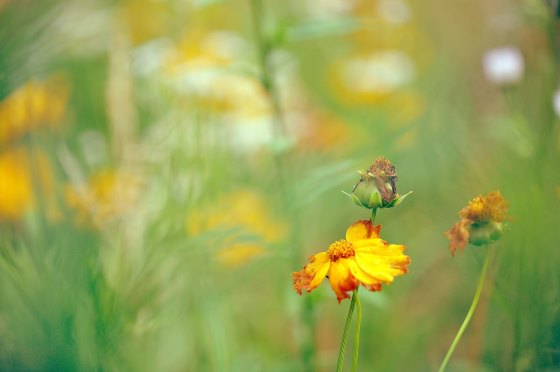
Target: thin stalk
[358, 324]
[267, 80]
[373, 214]
[264, 49]
[340, 363]
[308, 347]
[469, 314]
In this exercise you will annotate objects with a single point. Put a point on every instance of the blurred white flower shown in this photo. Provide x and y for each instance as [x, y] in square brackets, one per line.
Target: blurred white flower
[394, 11]
[556, 102]
[503, 66]
[380, 72]
[150, 57]
[320, 9]
[226, 45]
[251, 135]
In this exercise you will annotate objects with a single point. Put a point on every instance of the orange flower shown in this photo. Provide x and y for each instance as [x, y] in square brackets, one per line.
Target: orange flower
[362, 258]
[482, 221]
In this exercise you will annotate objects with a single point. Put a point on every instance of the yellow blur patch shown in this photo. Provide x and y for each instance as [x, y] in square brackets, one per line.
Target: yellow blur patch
[108, 195]
[22, 176]
[35, 104]
[246, 213]
[239, 254]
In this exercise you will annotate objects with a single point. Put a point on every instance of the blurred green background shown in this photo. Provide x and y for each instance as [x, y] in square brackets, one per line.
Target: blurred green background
[165, 165]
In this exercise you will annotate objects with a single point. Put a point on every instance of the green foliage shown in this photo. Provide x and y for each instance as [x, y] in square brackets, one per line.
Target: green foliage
[183, 192]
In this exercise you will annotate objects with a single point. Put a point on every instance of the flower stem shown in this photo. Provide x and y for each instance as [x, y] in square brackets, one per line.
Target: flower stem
[264, 47]
[340, 363]
[469, 314]
[358, 324]
[373, 214]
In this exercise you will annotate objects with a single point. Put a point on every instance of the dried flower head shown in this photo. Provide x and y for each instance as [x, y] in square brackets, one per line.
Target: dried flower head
[482, 222]
[362, 258]
[377, 187]
[492, 207]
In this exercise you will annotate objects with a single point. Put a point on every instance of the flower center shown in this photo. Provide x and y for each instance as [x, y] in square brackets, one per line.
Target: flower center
[340, 249]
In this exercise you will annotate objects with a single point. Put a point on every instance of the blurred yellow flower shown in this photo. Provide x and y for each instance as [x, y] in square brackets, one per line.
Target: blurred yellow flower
[35, 104]
[21, 174]
[405, 106]
[108, 194]
[199, 49]
[145, 19]
[482, 222]
[16, 190]
[238, 254]
[362, 258]
[321, 130]
[246, 213]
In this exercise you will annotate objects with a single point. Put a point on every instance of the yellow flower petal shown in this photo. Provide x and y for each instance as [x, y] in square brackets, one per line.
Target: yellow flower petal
[341, 279]
[389, 253]
[375, 267]
[360, 274]
[365, 243]
[316, 262]
[319, 276]
[313, 273]
[361, 230]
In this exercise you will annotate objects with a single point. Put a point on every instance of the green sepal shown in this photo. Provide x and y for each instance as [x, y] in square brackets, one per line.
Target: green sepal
[354, 198]
[399, 200]
[375, 200]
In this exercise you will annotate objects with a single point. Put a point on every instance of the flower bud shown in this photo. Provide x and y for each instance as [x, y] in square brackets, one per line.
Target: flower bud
[377, 187]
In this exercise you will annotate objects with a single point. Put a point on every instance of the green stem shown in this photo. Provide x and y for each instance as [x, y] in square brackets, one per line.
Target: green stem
[469, 314]
[340, 363]
[266, 76]
[308, 345]
[373, 214]
[358, 324]
[267, 79]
